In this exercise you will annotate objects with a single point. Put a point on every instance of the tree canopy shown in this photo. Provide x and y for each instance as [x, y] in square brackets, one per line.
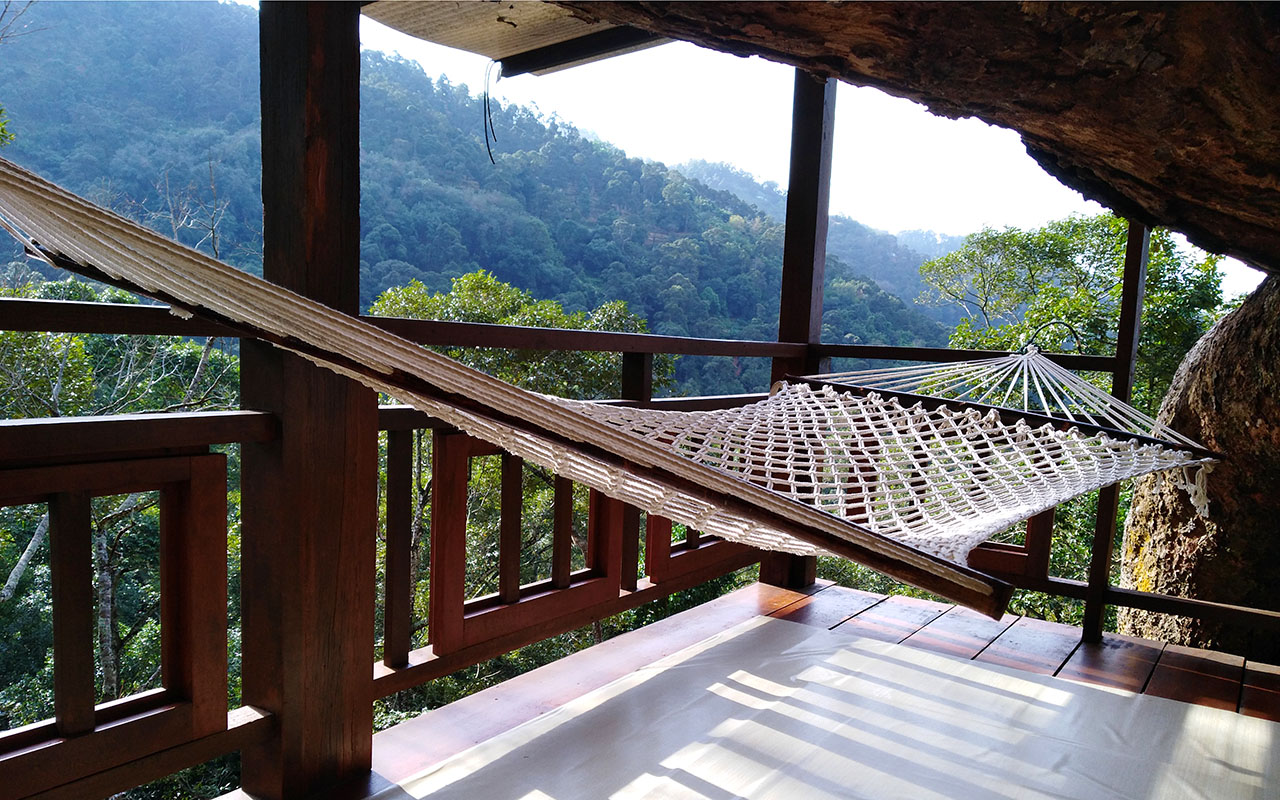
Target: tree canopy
[1012, 284]
[171, 136]
[480, 297]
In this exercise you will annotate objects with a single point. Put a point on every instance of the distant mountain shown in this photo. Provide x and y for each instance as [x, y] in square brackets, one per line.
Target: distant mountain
[893, 262]
[152, 109]
[929, 244]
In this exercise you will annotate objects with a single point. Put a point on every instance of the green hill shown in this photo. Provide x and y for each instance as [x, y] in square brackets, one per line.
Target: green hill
[892, 261]
[152, 109]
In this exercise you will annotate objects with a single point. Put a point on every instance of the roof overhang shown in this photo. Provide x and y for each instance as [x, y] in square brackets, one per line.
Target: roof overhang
[524, 36]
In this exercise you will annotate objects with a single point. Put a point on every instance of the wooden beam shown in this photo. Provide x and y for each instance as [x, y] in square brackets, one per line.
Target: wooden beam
[804, 254]
[581, 50]
[479, 334]
[309, 498]
[245, 727]
[804, 259]
[193, 597]
[1104, 535]
[70, 316]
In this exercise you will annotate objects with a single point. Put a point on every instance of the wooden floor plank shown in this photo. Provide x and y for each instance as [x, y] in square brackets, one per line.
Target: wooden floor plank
[829, 607]
[1122, 662]
[959, 632]
[894, 619]
[1033, 645]
[416, 744]
[1197, 676]
[1023, 643]
[1260, 694]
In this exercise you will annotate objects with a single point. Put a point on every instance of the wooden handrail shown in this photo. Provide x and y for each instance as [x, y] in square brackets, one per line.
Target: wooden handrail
[65, 316]
[70, 316]
[28, 442]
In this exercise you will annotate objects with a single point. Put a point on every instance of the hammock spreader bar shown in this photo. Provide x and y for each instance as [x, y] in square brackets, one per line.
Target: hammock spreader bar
[73, 234]
[1007, 415]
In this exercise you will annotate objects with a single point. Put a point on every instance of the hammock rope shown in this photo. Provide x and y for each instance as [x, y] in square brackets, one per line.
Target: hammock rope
[902, 488]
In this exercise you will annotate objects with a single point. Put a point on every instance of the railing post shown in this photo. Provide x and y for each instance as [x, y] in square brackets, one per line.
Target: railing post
[309, 499]
[397, 602]
[637, 384]
[804, 261]
[1135, 279]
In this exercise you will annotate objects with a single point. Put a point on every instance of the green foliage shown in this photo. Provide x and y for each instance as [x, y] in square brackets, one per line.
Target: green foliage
[1011, 283]
[560, 216]
[480, 297]
[5, 135]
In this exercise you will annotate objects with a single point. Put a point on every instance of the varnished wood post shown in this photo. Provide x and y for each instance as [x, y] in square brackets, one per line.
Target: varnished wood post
[1135, 279]
[71, 573]
[397, 602]
[309, 500]
[804, 261]
[637, 384]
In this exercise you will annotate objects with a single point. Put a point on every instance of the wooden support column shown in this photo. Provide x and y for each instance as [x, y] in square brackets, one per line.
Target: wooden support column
[804, 259]
[1135, 279]
[309, 504]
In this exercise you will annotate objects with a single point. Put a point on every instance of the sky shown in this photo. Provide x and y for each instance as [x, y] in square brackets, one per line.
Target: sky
[895, 166]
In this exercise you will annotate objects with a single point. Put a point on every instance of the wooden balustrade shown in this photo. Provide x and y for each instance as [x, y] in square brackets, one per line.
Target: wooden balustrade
[81, 459]
[92, 750]
[464, 631]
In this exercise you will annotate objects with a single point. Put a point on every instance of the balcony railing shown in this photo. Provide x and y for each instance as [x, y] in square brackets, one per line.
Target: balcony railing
[93, 750]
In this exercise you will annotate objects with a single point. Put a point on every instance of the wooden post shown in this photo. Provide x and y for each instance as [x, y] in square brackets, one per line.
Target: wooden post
[397, 602]
[71, 574]
[510, 523]
[309, 500]
[637, 384]
[562, 533]
[1135, 279]
[804, 259]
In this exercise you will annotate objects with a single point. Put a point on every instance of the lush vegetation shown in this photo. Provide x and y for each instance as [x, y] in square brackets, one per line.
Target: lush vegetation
[892, 262]
[170, 135]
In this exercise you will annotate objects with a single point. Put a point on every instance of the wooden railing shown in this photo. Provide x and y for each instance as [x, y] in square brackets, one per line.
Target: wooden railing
[466, 631]
[91, 750]
[64, 464]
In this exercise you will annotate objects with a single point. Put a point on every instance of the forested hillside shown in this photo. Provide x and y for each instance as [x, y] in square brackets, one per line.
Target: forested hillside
[152, 109]
[893, 262]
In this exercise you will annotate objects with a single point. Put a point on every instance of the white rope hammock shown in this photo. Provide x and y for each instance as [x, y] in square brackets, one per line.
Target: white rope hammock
[905, 490]
[940, 479]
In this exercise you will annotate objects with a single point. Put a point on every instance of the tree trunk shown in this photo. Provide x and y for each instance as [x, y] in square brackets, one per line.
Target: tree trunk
[108, 627]
[1226, 394]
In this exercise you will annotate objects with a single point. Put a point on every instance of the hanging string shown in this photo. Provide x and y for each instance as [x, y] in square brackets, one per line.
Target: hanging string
[488, 114]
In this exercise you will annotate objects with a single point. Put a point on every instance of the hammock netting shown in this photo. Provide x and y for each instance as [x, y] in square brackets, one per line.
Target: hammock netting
[905, 488]
[941, 480]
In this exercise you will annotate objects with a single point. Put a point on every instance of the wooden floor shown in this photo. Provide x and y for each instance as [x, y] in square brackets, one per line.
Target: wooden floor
[1138, 665]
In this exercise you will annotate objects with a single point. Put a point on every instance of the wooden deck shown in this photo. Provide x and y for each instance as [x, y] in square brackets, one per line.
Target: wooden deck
[1122, 662]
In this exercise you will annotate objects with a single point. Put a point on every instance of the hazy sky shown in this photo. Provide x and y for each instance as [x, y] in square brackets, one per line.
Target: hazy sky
[895, 166]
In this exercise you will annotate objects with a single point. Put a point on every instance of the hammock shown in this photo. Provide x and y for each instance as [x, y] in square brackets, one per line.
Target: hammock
[904, 490]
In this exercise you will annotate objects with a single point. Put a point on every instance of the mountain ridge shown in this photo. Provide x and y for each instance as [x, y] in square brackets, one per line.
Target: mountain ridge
[169, 135]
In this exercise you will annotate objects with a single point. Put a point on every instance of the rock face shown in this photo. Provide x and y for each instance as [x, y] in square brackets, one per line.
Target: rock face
[1168, 113]
[1227, 395]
